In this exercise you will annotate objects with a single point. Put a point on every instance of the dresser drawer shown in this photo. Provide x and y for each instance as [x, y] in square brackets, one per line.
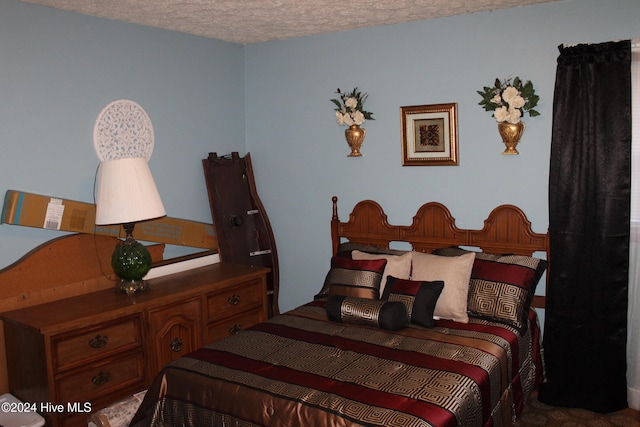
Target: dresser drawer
[85, 384]
[235, 300]
[228, 327]
[86, 345]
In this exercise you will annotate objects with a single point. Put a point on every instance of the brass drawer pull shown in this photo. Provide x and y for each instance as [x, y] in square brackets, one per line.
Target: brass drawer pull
[176, 344]
[233, 300]
[101, 378]
[99, 341]
[235, 329]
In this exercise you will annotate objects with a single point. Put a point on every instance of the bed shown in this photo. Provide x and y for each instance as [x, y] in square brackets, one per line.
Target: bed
[403, 351]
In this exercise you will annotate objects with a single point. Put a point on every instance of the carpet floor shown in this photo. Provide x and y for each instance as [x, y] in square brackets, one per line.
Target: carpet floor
[536, 413]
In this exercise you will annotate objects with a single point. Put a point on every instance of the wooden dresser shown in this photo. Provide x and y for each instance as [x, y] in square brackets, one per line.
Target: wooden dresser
[78, 354]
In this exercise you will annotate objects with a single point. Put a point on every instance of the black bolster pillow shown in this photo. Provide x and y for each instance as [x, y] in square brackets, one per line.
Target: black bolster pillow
[388, 315]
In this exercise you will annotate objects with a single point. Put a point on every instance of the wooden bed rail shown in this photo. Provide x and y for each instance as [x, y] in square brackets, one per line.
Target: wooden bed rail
[506, 231]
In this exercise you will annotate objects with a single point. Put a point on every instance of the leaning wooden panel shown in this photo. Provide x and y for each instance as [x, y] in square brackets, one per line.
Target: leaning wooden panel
[433, 227]
[243, 228]
[367, 224]
[507, 230]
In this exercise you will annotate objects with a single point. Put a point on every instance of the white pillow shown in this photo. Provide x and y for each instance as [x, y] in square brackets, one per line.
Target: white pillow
[398, 266]
[456, 273]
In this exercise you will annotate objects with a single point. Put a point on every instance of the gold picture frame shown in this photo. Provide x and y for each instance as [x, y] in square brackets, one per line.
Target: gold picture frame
[429, 135]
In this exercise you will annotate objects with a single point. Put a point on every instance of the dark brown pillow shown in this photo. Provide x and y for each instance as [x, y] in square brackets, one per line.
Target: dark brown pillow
[387, 315]
[419, 298]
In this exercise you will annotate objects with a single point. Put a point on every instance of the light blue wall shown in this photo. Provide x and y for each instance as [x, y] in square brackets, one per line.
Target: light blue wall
[299, 152]
[59, 69]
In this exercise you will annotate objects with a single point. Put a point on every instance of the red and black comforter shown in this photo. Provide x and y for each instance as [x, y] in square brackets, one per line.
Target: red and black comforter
[300, 369]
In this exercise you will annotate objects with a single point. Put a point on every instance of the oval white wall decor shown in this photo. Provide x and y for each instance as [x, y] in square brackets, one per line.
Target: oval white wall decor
[123, 129]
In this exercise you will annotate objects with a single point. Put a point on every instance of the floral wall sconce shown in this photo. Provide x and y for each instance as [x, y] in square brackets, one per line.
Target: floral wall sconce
[350, 112]
[509, 101]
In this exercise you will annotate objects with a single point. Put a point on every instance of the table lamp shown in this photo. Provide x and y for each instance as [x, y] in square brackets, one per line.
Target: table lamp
[126, 194]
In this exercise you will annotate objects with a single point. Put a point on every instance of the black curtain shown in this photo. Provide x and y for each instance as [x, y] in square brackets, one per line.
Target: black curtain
[589, 201]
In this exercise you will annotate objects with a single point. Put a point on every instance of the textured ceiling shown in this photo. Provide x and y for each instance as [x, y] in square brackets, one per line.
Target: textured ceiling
[253, 21]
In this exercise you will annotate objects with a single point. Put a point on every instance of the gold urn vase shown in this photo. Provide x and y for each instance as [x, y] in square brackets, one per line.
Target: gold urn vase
[355, 137]
[511, 134]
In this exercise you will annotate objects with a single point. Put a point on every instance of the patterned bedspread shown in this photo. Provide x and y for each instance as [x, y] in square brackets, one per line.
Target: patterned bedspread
[300, 369]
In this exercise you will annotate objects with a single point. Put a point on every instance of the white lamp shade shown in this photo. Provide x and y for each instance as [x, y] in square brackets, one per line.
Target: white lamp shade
[126, 192]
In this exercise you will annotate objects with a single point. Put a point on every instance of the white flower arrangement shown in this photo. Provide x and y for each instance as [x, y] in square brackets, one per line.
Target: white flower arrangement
[510, 100]
[350, 108]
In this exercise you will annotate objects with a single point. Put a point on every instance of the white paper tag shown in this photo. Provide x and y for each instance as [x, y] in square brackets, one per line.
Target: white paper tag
[53, 216]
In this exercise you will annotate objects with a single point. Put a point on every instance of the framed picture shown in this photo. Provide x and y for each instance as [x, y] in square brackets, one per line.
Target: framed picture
[429, 135]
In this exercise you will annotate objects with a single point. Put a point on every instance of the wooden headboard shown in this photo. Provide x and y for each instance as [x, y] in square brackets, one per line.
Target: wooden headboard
[506, 231]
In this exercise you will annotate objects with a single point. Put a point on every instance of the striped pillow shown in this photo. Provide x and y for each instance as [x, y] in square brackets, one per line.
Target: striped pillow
[502, 286]
[353, 278]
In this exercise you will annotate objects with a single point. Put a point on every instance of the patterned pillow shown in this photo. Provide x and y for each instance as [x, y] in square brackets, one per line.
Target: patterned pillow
[419, 298]
[397, 265]
[353, 278]
[502, 286]
[455, 273]
[386, 315]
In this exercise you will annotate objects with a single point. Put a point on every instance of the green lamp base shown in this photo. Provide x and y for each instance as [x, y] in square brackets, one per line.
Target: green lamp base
[131, 261]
